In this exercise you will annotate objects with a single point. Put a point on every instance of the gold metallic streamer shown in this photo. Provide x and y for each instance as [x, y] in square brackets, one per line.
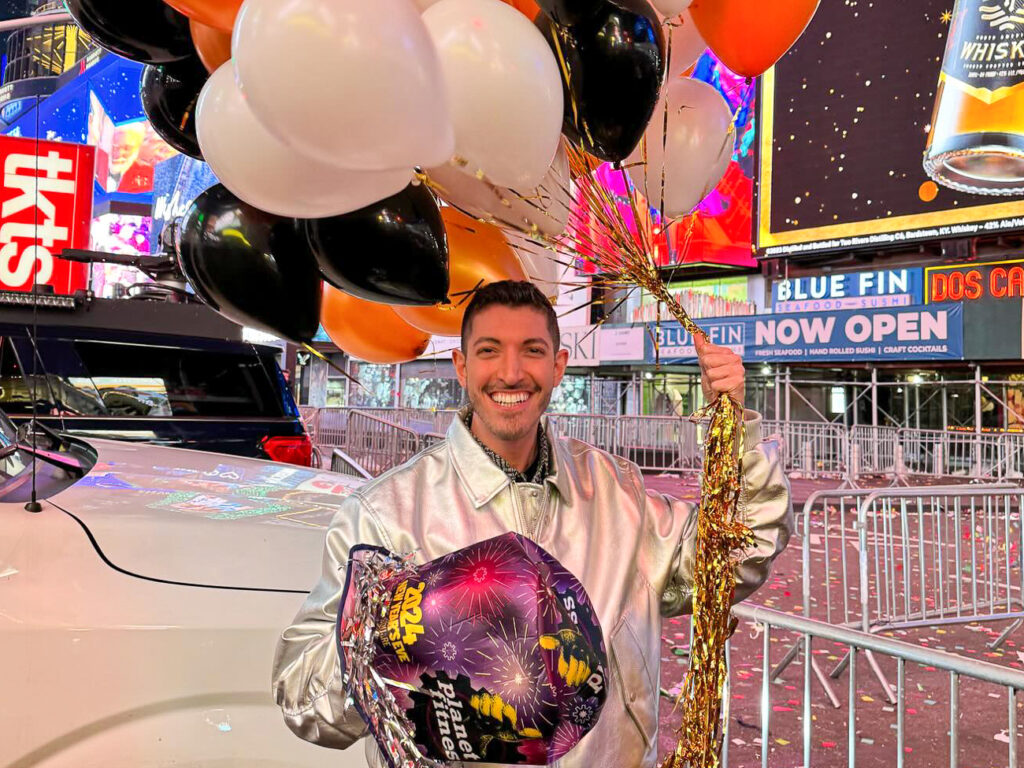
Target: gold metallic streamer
[626, 258]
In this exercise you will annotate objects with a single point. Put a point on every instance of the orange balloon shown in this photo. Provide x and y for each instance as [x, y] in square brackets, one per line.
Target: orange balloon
[528, 8]
[214, 13]
[212, 45]
[928, 191]
[478, 254]
[369, 331]
[748, 36]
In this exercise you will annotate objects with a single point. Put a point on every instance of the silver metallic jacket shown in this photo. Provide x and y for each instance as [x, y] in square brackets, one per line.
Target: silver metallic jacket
[631, 549]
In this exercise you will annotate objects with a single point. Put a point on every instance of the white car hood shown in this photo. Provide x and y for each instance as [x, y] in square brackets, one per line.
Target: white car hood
[206, 519]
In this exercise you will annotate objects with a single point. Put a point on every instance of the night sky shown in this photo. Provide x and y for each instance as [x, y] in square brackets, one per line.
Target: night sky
[854, 99]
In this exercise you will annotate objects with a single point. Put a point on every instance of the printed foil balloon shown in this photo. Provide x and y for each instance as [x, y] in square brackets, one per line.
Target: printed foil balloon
[613, 67]
[493, 654]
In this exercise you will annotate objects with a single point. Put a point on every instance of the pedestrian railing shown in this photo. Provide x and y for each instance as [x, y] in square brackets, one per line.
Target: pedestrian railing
[378, 445]
[911, 557]
[813, 450]
[873, 450]
[907, 658]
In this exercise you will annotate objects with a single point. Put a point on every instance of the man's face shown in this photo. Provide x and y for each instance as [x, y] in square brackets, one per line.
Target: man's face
[509, 370]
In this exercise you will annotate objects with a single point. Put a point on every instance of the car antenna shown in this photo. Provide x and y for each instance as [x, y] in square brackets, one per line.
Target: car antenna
[34, 505]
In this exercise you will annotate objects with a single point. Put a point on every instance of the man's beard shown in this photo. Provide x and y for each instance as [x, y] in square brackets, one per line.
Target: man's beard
[510, 428]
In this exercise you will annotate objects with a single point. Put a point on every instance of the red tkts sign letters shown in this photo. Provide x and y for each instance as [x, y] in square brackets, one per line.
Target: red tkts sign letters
[45, 207]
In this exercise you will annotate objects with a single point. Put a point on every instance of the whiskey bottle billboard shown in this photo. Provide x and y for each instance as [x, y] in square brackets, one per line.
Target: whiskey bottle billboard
[976, 143]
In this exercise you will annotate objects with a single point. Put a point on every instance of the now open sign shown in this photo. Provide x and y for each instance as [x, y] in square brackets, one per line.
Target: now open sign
[45, 207]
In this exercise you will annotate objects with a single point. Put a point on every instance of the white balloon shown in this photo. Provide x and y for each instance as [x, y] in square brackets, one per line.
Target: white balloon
[350, 82]
[542, 266]
[545, 207]
[687, 45]
[263, 172]
[504, 87]
[670, 7]
[696, 152]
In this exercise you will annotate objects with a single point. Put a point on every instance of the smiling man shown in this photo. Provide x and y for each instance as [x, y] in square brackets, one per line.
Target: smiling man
[501, 469]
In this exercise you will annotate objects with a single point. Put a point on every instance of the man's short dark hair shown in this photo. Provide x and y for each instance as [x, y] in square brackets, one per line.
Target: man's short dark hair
[510, 293]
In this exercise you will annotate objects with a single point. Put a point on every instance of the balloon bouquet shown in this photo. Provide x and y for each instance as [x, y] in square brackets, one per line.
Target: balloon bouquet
[379, 161]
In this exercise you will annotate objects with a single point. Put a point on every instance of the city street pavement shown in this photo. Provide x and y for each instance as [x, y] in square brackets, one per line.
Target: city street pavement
[983, 715]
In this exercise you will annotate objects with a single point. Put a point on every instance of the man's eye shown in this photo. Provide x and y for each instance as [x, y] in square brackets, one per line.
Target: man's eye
[536, 350]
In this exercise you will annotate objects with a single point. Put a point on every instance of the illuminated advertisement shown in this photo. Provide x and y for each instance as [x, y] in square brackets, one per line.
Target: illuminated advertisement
[842, 136]
[718, 231]
[98, 103]
[998, 280]
[904, 333]
[849, 290]
[127, 153]
[45, 206]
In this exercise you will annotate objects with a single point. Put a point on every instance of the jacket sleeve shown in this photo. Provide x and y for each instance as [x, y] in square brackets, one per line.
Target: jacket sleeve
[764, 505]
[307, 676]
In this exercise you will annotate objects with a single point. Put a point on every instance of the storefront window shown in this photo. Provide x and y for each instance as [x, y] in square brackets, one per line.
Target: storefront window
[376, 388]
[571, 396]
[432, 394]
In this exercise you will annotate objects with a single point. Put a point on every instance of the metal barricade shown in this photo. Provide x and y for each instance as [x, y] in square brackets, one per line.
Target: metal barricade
[598, 431]
[912, 557]
[873, 451]
[1011, 457]
[907, 656]
[310, 417]
[332, 424]
[658, 443]
[377, 444]
[933, 453]
[810, 448]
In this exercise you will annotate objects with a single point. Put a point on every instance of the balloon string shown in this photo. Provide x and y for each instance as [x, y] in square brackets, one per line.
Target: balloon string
[321, 356]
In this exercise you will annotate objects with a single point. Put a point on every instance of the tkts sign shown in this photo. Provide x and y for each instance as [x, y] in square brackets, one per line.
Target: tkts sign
[45, 207]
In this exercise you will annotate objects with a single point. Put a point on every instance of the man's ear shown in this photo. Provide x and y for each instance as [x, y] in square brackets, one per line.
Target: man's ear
[561, 362]
[459, 361]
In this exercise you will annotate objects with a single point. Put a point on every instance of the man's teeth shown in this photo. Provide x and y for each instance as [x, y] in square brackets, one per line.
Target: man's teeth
[509, 398]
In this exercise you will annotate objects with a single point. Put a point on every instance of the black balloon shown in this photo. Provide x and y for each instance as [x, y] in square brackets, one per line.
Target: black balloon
[169, 97]
[149, 31]
[570, 11]
[615, 61]
[252, 267]
[394, 251]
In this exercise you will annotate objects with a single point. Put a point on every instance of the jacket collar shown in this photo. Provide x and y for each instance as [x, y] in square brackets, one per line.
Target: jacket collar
[482, 478]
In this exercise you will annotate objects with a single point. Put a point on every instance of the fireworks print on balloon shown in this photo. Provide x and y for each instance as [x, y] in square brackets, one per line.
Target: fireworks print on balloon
[566, 736]
[511, 667]
[484, 655]
[450, 647]
[484, 579]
